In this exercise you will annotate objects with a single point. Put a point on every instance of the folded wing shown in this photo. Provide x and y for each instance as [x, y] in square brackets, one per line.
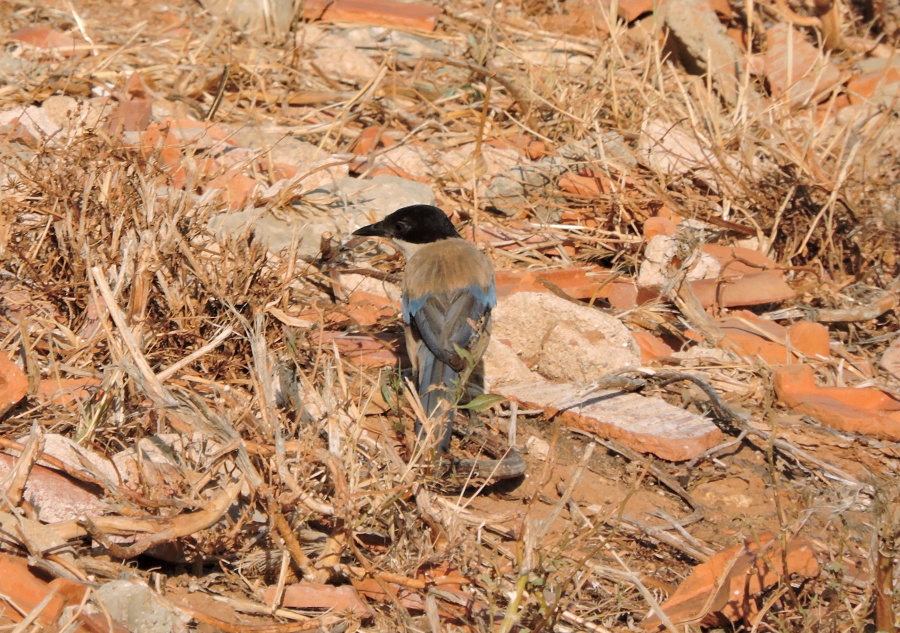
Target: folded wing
[440, 323]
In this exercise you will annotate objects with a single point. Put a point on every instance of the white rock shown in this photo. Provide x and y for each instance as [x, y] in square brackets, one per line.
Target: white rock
[657, 267]
[71, 452]
[62, 110]
[503, 366]
[537, 448]
[707, 355]
[704, 44]
[34, 119]
[408, 43]
[412, 159]
[237, 156]
[249, 15]
[562, 340]
[346, 63]
[668, 149]
[550, 59]
[277, 142]
[455, 163]
[308, 34]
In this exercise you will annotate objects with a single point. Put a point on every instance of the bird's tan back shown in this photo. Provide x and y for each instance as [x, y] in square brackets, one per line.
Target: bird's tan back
[447, 264]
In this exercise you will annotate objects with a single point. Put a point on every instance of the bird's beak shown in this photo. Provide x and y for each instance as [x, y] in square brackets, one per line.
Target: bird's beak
[372, 230]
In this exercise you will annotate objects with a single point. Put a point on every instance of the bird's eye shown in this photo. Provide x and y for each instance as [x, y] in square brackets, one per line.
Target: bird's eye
[402, 227]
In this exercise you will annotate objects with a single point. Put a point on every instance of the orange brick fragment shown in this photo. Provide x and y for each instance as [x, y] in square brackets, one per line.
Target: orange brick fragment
[376, 12]
[43, 37]
[810, 338]
[659, 226]
[580, 185]
[13, 383]
[864, 86]
[67, 391]
[238, 188]
[652, 347]
[868, 411]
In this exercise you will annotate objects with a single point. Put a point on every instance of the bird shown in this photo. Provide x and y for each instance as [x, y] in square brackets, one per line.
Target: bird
[448, 291]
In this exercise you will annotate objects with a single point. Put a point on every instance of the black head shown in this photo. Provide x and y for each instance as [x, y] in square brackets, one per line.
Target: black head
[416, 224]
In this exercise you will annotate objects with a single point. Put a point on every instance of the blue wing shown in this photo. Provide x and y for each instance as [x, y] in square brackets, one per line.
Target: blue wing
[445, 320]
[442, 321]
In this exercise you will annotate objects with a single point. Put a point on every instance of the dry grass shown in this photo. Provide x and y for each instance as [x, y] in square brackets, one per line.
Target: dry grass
[117, 282]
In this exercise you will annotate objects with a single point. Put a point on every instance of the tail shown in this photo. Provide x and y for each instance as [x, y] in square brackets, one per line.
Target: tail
[437, 391]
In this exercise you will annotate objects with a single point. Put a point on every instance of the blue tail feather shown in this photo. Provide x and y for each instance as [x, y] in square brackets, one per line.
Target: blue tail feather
[436, 386]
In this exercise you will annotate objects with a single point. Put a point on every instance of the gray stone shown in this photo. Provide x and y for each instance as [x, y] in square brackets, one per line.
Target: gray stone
[404, 44]
[10, 65]
[615, 148]
[136, 608]
[336, 207]
[506, 195]
[511, 192]
[576, 151]
[703, 44]
[277, 233]
[278, 143]
[549, 213]
[538, 175]
[588, 150]
[354, 202]
[553, 165]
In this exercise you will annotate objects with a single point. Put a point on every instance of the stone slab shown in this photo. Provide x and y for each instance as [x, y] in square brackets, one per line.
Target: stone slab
[645, 424]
